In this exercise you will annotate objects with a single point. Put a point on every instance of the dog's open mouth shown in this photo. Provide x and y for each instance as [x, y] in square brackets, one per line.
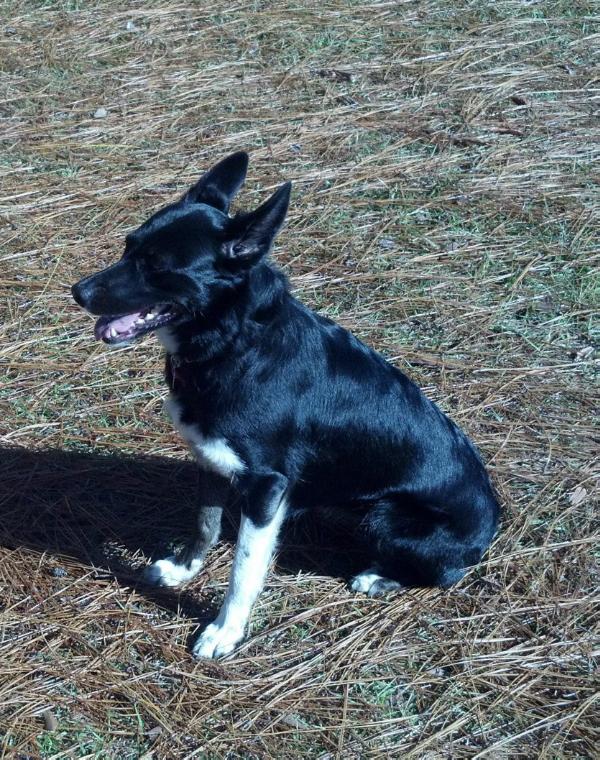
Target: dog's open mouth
[119, 329]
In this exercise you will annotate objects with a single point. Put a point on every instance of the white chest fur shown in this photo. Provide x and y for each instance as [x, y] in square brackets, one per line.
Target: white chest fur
[212, 453]
[168, 338]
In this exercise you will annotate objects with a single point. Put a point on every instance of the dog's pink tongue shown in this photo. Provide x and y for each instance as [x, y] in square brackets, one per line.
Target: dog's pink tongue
[100, 326]
[104, 325]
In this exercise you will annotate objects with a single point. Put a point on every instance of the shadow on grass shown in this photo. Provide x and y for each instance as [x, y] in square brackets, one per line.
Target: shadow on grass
[104, 509]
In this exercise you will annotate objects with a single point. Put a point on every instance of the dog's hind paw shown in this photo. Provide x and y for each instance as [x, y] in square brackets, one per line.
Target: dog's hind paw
[372, 584]
[217, 640]
[171, 573]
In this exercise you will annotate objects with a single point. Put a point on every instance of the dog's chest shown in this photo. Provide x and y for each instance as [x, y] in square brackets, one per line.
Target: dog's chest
[212, 453]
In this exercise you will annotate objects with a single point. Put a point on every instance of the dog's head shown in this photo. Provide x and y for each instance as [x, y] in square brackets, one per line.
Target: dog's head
[180, 259]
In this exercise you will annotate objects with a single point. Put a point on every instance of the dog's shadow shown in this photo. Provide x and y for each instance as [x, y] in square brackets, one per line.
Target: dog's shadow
[108, 510]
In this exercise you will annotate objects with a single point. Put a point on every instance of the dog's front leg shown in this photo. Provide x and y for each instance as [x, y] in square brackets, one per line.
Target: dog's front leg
[263, 511]
[175, 570]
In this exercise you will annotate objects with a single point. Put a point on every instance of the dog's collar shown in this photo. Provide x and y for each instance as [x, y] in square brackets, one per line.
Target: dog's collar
[176, 375]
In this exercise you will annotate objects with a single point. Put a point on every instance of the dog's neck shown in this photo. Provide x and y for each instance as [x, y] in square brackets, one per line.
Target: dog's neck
[229, 324]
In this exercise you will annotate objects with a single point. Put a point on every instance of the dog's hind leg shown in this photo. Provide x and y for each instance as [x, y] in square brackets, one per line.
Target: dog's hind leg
[176, 570]
[372, 583]
[413, 544]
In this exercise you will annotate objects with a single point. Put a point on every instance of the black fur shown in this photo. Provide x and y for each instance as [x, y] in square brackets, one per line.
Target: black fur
[309, 409]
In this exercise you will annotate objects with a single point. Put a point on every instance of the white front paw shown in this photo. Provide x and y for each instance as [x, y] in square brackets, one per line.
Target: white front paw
[169, 572]
[217, 640]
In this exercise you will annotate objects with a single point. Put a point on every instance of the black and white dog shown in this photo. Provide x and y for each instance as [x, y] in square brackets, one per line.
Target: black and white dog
[284, 409]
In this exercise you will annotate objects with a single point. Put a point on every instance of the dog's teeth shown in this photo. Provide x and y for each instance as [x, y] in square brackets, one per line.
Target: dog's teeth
[139, 321]
[113, 332]
[149, 316]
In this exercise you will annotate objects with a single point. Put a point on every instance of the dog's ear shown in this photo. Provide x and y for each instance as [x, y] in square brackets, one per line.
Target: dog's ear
[218, 186]
[250, 236]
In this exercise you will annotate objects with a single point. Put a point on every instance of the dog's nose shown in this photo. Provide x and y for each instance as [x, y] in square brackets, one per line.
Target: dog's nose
[77, 293]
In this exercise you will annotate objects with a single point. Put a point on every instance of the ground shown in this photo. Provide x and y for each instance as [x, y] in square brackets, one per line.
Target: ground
[444, 201]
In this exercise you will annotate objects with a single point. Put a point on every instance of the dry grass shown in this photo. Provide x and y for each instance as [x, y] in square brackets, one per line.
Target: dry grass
[444, 209]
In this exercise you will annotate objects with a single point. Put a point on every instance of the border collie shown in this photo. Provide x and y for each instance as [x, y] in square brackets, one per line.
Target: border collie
[284, 409]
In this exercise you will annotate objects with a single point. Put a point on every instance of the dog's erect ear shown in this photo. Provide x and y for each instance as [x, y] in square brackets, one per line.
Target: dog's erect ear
[218, 186]
[250, 236]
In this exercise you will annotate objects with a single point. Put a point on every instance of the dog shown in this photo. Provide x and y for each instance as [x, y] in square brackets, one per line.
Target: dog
[284, 410]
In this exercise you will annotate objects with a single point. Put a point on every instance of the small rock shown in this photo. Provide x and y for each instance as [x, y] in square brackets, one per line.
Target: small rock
[50, 722]
[58, 572]
[100, 113]
[578, 496]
